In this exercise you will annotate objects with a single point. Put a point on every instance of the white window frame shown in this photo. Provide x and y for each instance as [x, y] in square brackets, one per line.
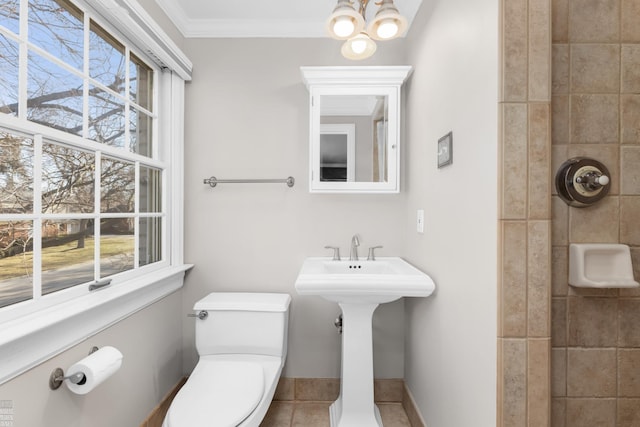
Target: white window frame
[27, 340]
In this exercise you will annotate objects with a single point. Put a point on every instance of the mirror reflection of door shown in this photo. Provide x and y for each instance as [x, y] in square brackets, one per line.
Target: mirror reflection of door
[337, 152]
[367, 160]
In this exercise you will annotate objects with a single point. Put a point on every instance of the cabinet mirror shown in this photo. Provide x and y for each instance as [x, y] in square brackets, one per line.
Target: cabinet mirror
[354, 128]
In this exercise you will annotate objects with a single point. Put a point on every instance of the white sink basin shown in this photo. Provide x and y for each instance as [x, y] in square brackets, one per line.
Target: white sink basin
[384, 280]
[358, 287]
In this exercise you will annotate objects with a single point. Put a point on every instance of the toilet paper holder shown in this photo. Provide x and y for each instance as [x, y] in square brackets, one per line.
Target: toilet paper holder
[57, 377]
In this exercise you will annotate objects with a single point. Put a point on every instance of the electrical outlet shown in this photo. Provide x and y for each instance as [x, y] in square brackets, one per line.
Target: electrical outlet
[420, 221]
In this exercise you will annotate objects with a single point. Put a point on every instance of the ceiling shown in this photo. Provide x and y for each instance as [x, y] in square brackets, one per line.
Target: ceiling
[261, 18]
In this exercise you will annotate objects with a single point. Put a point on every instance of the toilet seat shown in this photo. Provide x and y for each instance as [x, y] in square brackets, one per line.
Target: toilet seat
[219, 393]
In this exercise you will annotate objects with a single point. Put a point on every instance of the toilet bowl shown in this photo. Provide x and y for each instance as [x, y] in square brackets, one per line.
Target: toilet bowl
[242, 343]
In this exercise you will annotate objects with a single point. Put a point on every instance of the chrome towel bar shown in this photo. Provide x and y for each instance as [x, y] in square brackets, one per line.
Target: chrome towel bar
[213, 181]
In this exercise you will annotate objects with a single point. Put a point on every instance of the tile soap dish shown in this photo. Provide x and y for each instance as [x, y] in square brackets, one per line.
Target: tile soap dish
[600, 265]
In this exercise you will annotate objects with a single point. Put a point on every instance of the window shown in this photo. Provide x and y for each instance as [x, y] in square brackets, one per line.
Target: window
[87, 172]
[73, 211]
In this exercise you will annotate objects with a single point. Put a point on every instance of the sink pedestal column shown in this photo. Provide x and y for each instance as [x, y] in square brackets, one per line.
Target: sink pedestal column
[355, 406]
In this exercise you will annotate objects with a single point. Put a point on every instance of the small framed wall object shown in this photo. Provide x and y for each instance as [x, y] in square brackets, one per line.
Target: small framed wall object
[445, 150]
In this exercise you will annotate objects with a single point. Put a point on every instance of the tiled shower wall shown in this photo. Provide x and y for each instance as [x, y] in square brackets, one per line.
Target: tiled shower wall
[596, 113]
[524, 292]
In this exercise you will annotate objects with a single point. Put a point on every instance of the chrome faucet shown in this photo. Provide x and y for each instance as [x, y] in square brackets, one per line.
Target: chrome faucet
[353, 254]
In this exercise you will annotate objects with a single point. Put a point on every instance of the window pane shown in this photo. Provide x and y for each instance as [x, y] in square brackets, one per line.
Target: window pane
[9, 73]
[16, 174]
[118, 188]
[140, 82]
[16, 262]
[57, 27]
[106, 118]
[150, 249]
[67, 253]
[54, 96]
[140, 133]
[10, 14]
[106, 59]
[67, 180]
[116, 245]
[150, 190]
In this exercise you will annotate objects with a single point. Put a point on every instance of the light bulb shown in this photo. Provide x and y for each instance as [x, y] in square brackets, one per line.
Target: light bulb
[358, 46]
[343, 26]
[387, 29]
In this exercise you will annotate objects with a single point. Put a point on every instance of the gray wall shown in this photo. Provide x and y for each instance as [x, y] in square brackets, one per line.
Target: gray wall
[248, 117]
[151, 346]
[451, 336]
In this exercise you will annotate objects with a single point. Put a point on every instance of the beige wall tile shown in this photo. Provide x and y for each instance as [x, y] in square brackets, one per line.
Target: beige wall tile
[594, 224]
[630, 118]
[628, 321]
[630, 30]
[595, 68]
[560, 121]
[560, 222]
[628, 373]
[591, 372]
[559, 372]
[594, 119]
[285, 389]
[560, 69]
[635, 261]
[628, 413]
[594, 20]
[559, 322]
[559, 270]
[629, 176]
[558, 412]
[539, 161]
[539, 278]
[326, 389]
[514, 279]
[514, 156]
[388, 390]
[593, 322]
[629, 214]
[513, 383]
[560, 20]
[591, 412]
[539, 50]
[630, 57]
[515, 50]
[538, 382]
[409, 405]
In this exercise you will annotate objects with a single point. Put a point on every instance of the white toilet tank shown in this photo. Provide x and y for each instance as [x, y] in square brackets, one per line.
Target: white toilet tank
[243, 323]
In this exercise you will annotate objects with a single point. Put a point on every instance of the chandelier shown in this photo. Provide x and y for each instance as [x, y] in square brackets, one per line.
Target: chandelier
[347, 23]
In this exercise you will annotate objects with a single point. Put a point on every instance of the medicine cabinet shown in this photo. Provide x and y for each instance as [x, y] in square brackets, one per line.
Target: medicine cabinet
[354, 130]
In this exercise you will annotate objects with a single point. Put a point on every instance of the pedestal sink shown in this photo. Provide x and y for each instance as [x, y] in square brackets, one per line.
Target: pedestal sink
[359, 287]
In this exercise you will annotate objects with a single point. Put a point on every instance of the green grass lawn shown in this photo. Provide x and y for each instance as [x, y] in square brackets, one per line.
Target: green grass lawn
[64, 255]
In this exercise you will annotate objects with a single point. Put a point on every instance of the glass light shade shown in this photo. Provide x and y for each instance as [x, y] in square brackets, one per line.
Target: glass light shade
[358, 47]
[388, 23]
[344, 22]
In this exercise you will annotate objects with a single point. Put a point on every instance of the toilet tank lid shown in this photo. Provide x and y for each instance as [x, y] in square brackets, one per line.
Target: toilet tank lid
[244, 301]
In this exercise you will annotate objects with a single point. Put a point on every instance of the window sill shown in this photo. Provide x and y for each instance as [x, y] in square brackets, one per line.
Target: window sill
[31, 340]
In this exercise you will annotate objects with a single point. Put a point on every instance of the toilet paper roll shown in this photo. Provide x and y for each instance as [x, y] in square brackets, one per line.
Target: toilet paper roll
[96, 368]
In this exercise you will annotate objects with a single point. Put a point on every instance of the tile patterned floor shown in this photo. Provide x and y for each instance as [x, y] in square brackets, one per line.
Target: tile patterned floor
[316, 414]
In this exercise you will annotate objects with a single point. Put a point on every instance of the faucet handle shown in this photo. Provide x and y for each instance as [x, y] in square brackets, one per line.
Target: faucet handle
[336, 252]
[372, 254]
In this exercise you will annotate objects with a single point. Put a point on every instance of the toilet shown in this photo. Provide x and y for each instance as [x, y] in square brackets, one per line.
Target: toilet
[242, 344]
